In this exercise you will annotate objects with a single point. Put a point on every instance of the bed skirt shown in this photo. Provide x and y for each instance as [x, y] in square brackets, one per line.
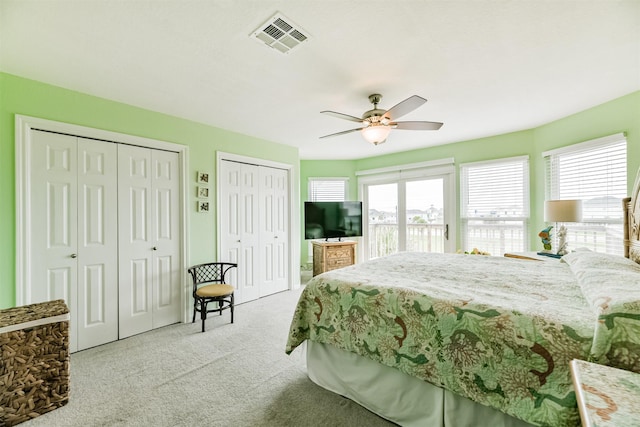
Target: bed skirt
[395, 396]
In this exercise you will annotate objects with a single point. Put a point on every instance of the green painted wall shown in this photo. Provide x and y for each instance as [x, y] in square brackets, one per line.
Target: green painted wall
[322, 168]
[32, 98]
[619, 115]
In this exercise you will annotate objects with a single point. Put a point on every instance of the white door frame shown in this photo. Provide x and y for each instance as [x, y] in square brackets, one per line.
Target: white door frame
[294, 211]
[23, 127]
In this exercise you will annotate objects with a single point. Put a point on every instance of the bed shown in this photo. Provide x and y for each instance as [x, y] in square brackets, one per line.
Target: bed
[454, 340]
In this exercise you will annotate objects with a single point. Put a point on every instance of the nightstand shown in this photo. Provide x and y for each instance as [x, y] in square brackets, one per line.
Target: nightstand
[606, 396]
[531, 256]
[329, 256]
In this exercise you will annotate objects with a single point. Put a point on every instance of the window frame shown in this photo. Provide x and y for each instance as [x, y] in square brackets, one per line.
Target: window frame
[552, 159]
[312, 180]
[525, 219]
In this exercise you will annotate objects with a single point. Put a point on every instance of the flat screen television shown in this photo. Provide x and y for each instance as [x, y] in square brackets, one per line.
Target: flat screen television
[330, 220]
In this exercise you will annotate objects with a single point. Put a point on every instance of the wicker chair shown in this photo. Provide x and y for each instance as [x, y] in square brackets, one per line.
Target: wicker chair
[209, 285]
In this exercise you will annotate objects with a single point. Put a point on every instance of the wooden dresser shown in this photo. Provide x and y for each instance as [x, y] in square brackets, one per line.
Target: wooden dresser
[329, 256]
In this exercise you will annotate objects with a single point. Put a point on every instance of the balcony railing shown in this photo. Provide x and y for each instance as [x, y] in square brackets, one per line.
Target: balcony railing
[597, 237]
[496, 239]
[383, 238]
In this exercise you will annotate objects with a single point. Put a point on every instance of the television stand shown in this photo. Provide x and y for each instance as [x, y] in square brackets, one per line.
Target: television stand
[329, 256]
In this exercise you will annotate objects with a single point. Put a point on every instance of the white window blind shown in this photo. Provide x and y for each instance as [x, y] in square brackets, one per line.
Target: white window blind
[328, 189]
[495, 205]
[596, 173]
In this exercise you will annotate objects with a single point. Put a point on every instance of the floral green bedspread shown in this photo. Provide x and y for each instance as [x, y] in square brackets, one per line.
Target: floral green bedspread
[499, 331]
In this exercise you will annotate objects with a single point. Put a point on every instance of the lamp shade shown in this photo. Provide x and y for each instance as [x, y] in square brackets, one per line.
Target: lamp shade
[376, 133]
[563, 210]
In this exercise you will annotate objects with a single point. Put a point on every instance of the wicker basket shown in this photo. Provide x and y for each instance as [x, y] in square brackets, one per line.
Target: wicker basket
[34, 362]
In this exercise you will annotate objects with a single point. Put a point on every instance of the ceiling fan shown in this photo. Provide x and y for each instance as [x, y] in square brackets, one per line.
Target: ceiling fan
[377, 123]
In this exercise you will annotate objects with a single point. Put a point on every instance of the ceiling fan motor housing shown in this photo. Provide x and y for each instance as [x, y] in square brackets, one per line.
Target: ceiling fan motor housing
[373, 116]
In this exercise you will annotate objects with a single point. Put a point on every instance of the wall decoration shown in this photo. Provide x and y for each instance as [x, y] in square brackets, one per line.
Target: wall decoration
[203, 206]
[203, 177]
[203, 192]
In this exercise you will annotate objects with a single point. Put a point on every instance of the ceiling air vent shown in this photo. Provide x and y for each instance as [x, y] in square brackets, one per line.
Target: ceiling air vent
[280, 33]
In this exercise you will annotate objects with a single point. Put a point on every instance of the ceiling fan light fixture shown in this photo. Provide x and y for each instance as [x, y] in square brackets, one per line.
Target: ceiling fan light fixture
[377, 123]
[376, 133]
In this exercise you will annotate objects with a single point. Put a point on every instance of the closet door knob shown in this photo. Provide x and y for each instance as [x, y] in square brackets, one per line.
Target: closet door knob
[154, 248]
[74, 256]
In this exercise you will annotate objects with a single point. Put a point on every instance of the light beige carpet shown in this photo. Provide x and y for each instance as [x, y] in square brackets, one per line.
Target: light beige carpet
[231, 375]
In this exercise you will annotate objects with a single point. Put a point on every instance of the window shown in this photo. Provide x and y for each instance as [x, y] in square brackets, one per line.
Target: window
[407, 215]
[495, 205]
[328, 189]
[595, 172]
[409, 207]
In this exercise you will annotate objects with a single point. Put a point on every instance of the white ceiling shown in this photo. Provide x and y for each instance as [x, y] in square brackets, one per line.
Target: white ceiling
[487, 67]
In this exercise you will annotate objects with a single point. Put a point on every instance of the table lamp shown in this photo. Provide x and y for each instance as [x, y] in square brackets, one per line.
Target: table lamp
[562, 211]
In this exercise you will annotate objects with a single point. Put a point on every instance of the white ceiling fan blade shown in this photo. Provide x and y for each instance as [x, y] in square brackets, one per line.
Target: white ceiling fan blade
[343, 116]
[404, 107]
[416, 125]
[341, 133]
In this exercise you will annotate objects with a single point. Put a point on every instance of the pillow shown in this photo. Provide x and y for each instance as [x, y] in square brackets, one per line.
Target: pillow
[611, 287]
[587, 259]
[608, 282]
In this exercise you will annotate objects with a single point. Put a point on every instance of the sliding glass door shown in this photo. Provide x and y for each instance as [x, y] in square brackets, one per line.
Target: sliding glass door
[425, 228]
[383, 219]
[409, 215]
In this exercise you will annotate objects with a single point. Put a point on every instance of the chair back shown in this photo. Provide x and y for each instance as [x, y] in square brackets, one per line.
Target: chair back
[211, 272]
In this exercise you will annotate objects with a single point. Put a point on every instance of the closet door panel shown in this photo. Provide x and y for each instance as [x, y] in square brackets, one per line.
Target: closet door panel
[139, 288]
[239, 229]
[250, 235]
[165, 221]
[52, 222]
[254, 227]
[59, 283]
[135, 243]
[274, 236]
[281, 226]
[267, 235]
[97, 243]
[165, 290]
[231, 248]
[230, 223]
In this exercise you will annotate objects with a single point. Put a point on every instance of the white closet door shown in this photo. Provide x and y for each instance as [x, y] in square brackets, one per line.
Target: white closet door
[239, 230]
[274, 236]
[166, 234]
[136, 240]
[73, 242]
[97, 243]
[149, 250]
[53, 218]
